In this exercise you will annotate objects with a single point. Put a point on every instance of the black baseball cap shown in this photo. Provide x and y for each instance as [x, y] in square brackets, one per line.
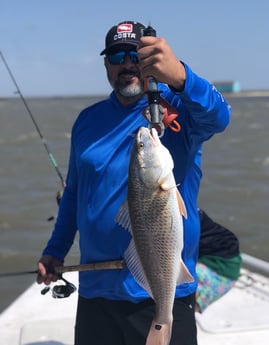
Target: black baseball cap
[126, 32]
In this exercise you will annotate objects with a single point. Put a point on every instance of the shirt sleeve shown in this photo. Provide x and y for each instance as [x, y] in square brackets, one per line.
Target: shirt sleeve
[65, 228]
[206, 110]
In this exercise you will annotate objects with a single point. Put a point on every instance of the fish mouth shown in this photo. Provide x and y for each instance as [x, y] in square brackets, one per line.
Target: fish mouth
[151, 133]
[154, 136]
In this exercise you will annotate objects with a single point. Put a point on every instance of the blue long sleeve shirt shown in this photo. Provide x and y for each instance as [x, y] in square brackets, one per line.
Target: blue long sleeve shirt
[96, 184]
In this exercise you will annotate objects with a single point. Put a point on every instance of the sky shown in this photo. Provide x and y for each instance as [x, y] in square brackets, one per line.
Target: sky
[52, 47]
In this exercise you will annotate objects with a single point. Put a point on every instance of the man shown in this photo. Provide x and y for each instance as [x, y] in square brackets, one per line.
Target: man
[112, 307]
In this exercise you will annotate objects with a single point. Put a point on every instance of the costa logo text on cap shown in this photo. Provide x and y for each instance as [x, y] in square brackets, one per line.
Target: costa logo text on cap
[124, 33]
[125, 28]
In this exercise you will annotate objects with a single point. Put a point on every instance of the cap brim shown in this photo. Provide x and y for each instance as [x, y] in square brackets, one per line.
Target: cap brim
[120, 43]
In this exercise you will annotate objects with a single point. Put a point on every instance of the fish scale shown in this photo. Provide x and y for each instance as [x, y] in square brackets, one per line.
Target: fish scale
[154, 242]
[155, 210]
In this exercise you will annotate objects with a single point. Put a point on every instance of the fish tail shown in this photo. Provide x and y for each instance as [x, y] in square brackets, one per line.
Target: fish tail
[159, 334]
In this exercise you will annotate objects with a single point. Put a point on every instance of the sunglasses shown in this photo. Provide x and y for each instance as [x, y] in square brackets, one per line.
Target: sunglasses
[60, 291]
[118, 58]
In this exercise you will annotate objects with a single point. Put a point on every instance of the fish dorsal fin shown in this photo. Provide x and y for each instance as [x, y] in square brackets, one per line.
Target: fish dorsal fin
[181, 205]
[184, 274]
[133, 263]
[123, 218]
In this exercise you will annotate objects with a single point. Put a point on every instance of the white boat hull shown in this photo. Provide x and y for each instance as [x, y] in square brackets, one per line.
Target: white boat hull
[241, 317]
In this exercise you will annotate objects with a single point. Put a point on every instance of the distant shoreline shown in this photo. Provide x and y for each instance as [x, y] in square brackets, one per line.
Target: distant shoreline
[247, 93]
[244, 93]
[101, 96]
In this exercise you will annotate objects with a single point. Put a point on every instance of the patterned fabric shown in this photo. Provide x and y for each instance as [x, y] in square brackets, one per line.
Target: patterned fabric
[211, 286]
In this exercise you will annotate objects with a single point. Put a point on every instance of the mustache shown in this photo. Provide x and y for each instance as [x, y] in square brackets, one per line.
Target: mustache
[129, 71]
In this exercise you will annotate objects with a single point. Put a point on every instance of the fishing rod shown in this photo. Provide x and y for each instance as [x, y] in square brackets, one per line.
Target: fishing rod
[105, 265]
[51, 157]
[153, 93]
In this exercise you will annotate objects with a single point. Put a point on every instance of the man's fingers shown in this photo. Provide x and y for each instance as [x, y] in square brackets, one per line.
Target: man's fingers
[42, 269]
[42, 273]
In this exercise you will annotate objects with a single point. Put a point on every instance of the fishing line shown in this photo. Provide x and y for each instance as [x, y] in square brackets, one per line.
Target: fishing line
[51, 157]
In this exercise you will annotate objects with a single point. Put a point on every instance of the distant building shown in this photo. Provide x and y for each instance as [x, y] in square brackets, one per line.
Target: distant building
[227, 86]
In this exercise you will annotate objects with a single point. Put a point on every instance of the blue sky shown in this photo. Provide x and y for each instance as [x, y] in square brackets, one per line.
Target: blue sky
[53, 46]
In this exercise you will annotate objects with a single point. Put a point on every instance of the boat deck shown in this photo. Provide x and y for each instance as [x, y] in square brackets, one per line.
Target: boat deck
[35, 319]
[240, 317]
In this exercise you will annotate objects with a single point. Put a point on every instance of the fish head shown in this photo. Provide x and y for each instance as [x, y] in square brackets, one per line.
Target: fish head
[152, 157]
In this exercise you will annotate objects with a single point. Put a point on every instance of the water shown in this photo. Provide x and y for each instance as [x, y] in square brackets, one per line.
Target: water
[234, 190]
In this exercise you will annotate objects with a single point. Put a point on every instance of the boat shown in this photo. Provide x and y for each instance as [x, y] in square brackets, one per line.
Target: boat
[230, 86]
[240, 317]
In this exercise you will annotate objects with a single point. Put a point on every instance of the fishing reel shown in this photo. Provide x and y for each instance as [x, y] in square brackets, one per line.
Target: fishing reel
[60, 291]
[59, 195]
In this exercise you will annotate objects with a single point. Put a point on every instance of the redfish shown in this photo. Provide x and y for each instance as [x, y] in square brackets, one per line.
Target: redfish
[153, 213]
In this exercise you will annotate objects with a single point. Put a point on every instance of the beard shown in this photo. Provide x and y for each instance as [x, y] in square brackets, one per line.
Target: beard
[131, 90]
[127, 88]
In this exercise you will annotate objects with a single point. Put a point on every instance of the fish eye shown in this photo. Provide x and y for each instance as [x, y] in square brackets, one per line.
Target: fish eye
[140, 146]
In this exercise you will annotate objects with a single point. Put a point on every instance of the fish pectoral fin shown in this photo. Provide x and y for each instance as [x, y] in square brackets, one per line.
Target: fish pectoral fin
[123, 218]
[184, 274]
[166, 186]
[159, 334]
[181, 205]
